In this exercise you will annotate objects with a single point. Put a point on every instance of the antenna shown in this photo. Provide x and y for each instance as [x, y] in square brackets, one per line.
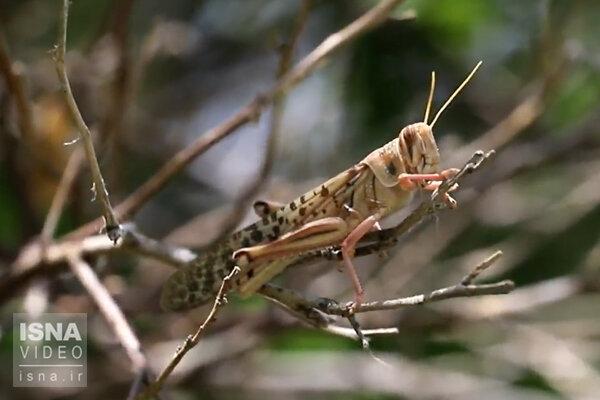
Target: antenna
[456, 92]
[430, 99]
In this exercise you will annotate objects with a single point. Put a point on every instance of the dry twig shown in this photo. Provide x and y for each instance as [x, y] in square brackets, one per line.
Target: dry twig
[109, 310]
[191, 340]
[38, 259]
[99, 187]
[317, 313]
[60, 197]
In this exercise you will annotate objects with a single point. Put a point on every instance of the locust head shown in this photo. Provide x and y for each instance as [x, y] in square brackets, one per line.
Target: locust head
[418, 149]
[414, 151]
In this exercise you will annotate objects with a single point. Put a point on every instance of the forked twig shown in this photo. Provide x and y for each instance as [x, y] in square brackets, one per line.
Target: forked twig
[318, 312]
[46, 259]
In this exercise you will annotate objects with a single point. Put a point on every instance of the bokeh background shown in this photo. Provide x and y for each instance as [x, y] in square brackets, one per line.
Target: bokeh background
[151, 76]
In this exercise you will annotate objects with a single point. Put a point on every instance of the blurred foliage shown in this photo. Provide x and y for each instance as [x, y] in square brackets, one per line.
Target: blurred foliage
[213, 56]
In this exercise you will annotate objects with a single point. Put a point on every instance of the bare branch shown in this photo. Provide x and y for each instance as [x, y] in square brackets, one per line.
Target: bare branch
[335, 41]
[459, 290]
[118, 108]
[61, 195]
[112, 223]
[109, 310]
[318, 313]
[39, 259]
[248, 113]
[485, 264]
[191, 340]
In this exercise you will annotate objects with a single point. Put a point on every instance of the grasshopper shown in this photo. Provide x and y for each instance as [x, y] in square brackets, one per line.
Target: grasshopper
[337, 213]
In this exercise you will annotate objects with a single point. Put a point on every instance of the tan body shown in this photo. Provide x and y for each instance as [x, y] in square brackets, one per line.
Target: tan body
[322, 217]
[337, 213]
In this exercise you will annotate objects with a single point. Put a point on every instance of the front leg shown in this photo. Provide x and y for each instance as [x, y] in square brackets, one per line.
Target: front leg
[411, 181]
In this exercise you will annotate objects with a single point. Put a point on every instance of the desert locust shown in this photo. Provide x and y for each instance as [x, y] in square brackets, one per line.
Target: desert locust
[336, 213]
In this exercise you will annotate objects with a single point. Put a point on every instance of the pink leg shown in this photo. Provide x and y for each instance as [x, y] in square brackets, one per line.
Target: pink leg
[348, 246]
[408, 181]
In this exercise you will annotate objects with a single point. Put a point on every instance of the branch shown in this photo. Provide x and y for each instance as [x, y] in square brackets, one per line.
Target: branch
[60, 197]
[39, 259]
[318, 313]
[191, 340]
[109, 310]
[112, 223]
[463, 289]
[450, 292]
[248, 113]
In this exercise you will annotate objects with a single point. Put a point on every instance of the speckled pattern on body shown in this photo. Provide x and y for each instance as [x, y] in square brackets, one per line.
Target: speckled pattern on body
[367, 188]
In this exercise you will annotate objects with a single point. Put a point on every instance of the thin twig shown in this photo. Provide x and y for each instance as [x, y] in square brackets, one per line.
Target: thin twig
[450, 292]
[132, 241]
[485, 264]
[454, 291]
[112, 223]
[358, 330]
[109, 310]
[318, 313]
[60, 197]
[248, 113]
[39, 259]
[116, 115]
[191, 340]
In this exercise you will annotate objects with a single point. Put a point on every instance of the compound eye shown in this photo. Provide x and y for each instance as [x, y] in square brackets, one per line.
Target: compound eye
[391, 169]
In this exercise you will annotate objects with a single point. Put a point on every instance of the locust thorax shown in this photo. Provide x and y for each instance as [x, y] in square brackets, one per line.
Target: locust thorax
[414, 151]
